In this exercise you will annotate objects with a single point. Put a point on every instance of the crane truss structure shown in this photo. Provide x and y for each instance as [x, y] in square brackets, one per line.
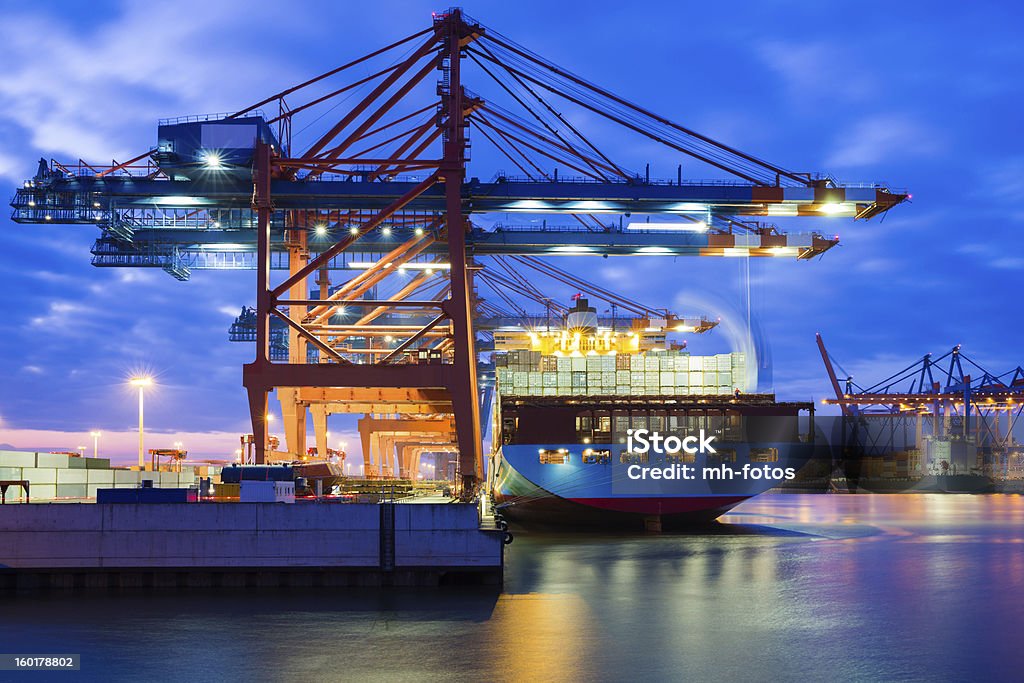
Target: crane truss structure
[385, 182]
[949, 397]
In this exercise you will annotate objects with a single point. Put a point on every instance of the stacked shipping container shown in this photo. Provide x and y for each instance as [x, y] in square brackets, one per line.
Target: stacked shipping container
[55, 476]
[664, 373]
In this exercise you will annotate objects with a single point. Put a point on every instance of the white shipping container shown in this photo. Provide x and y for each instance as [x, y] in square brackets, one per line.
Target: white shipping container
[17, 459]
[636, 362]
[622, 376]
[709, 363]
[696, 379]
[668, 378]
[651, 363]
[682, 378]
[40, 475]
[608, 378]
[579, 364]
[667, 363]
[70, 476]
[100, 477]
[38, 492]
[563, 364]
[623, 390]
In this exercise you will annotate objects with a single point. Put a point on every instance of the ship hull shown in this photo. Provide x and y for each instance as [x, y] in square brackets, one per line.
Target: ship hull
[543, 510]
[535, 495]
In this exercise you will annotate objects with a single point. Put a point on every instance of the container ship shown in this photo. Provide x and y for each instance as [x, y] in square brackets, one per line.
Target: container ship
[569, 397]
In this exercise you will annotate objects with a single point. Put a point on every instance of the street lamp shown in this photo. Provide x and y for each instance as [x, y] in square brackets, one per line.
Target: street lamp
[141, 383]
[81, 451]
[95, 443]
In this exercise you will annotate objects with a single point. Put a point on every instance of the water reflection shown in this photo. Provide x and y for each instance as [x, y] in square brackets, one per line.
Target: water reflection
[898, 587]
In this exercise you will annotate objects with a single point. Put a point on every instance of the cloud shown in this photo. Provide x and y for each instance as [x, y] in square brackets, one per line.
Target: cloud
[883, 137]
[54, 75]
[816, 70]
[63, 316]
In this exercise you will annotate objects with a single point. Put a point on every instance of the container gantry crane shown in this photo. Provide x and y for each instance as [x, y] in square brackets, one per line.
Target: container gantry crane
[945, 399]
[389, 173]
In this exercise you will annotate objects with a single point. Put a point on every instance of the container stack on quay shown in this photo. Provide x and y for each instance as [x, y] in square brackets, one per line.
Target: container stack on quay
[57, 476]
[654, 373]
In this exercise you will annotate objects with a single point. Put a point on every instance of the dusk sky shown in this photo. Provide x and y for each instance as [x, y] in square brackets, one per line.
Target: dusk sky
[923, 99]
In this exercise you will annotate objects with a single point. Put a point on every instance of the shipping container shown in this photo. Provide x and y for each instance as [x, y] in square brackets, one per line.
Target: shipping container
[70, 476]
[37, 492]
[51, 460]
[10, 473]
[39, 475]
[17, 459]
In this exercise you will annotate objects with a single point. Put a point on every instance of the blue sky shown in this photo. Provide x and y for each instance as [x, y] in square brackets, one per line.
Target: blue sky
[923, 99]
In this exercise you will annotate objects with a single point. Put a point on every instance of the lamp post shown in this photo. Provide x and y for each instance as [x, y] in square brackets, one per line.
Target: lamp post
[95, 443]
[141, 383]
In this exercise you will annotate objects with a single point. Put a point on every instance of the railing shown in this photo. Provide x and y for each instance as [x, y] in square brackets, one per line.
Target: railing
[197, 118]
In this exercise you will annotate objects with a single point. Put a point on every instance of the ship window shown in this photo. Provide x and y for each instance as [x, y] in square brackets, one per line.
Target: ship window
[602, 428]
[554, 456]
[638, 420]
[508, 429]
[584, 428]
[630, 457]
[764, 455]
[592, 456]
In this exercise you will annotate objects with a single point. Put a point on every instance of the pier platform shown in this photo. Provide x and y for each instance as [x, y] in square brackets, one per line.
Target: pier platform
[245, 545]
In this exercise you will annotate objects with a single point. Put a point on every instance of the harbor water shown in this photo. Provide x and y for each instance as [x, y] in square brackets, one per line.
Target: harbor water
[924, 587]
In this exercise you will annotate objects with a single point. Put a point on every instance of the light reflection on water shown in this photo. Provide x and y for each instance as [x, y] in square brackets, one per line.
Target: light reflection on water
[792, 587]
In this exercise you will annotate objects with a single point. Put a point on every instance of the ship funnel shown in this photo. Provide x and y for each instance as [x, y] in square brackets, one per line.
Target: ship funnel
[582, 317]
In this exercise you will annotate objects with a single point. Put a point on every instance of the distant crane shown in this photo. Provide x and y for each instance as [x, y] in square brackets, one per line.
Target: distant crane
[939, 399]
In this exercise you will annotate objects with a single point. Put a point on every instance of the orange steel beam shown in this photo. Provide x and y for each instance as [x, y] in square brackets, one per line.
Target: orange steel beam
[413, 339]
[459, 305]
[382, 110]
[417, 134]
[381, 88]
[364, 281]
[325, 257]
[332, 72]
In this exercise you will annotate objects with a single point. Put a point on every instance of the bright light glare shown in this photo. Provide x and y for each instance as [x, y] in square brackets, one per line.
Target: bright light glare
[418, 231]
[321, 230]
[697, 226]
[213, 161]
[140, 381]
[353, 230]
[385, 231]
[832, 208]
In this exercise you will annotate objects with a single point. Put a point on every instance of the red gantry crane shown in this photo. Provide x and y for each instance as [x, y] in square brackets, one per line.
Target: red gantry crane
[383, 190]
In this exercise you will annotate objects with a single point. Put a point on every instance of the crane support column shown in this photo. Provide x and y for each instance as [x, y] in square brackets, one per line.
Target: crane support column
[458, 307]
